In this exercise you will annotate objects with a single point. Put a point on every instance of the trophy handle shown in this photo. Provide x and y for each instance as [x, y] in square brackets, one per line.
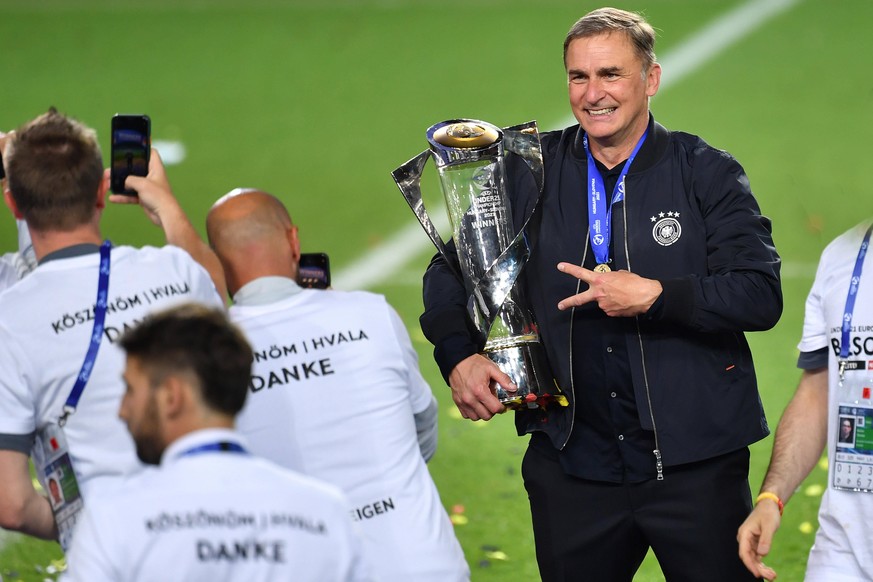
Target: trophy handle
[524, 140]
[408, 179]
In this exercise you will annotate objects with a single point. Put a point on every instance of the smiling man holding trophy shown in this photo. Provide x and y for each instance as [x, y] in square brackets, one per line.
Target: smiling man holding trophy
[643, 258]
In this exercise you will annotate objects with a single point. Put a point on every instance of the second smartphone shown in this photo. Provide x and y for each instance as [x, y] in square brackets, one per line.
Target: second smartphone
[313, 271]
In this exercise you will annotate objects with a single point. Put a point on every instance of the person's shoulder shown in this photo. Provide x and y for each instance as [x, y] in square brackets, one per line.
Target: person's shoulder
[848, 241]
[165, 259]
[697, 147]
[702, 159]
[32, 288]
[148, 252]
[295, 483]
[118, 495]
[353, 299]
[557, 140]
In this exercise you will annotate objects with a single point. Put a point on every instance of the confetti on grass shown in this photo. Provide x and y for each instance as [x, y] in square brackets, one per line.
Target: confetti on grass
[492, 553]
[814, 490]
[457, 517]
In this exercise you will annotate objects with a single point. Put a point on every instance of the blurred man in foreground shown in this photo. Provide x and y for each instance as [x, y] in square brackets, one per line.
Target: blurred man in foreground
[336, 392]
[212, 511]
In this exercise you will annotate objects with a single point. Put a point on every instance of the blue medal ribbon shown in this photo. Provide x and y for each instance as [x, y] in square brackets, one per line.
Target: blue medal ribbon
[223, 446]
[849, 312]
[599, 213]
[97, 333]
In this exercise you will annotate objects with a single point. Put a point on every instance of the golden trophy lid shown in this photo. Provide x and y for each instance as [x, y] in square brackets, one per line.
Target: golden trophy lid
[466, 134]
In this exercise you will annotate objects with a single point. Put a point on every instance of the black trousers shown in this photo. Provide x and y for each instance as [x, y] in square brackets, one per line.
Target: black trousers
[590, 530]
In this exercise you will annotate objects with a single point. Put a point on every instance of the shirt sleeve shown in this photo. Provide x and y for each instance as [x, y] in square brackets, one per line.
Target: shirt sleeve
[202, 288]
[815, 330]
[813, 360]
[741, 290]
[17, 407]
[420, 394]
[421, 398]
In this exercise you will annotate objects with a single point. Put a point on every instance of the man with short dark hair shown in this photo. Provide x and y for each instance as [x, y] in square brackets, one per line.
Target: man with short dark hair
[59, 366]
[212, 511]
[652, 261]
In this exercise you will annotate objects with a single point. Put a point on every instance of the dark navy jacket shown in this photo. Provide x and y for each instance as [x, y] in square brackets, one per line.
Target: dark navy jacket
[690, 221]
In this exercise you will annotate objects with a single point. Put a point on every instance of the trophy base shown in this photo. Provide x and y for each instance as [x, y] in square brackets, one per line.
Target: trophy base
[523, 359]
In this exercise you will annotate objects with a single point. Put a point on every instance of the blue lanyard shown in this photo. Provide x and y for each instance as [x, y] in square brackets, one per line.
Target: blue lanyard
[599, 216]
[849, 312]
[96, 335]
[223, 446]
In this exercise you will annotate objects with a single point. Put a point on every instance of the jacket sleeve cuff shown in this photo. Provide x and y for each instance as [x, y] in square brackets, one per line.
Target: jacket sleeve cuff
[675, 304]
[451, 350]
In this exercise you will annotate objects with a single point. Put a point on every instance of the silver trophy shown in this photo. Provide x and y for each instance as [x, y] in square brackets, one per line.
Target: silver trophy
[469, 156]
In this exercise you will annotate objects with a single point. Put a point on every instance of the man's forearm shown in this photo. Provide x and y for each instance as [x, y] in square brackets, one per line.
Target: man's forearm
[801, 435]
[179, 232]
[22, 509]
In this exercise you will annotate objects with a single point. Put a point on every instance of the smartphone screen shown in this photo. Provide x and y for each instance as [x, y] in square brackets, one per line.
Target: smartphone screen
[131, 147]
[313, 271]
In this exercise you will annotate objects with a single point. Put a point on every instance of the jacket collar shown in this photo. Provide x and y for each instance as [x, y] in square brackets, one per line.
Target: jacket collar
[652, 151]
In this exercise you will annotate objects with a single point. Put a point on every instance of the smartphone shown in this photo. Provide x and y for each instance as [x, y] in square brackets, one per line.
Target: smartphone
[313, 271]
[131, 148]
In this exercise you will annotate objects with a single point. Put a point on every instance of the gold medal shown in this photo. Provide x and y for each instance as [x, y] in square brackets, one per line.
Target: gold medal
[602, 268]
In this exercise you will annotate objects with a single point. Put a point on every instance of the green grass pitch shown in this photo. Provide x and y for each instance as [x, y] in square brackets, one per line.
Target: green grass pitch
[317, 101]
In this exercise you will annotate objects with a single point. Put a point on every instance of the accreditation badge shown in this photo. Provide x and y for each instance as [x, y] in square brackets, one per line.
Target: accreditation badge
[853, 454]
[59, 481]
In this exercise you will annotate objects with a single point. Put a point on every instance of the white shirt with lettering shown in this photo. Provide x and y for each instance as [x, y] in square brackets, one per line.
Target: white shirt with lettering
[46, 321]
[334, 390]
[843, 541]
[217, 515]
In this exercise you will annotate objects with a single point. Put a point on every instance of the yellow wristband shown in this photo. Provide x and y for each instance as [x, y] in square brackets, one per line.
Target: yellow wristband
[771, 497]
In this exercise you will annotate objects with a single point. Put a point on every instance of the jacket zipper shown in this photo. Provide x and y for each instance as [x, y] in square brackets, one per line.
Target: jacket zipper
[659, 465]
[570, 343]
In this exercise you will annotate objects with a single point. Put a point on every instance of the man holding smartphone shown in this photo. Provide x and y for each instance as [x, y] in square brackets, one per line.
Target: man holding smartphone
[53, 402]
[336, 392]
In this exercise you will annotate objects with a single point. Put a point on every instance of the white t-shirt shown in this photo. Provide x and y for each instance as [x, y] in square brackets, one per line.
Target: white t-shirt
[13, 266]
[843, 543]
[46, 320]
[216, 516]
[333, 393]
[8, 272]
